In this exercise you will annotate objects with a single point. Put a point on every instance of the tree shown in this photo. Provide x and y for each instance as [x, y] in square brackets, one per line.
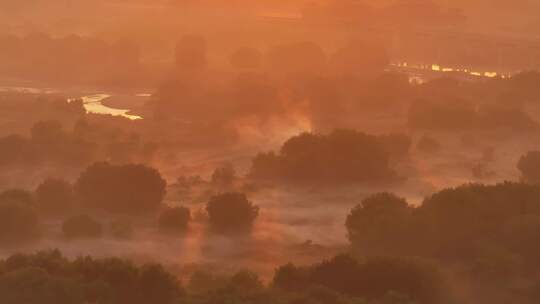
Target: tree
[246, 281]
[47, 132]
[17, 196]
[19, 223]
[380, 225]
[34, 285]
[396, 145]
[16, 149]
[224, 175]
[231, 213]
[155, 285]
[54, 197]
[82, 226]
[372, 279]
[529, 165]
[49, 278]
[174, 219]
[341, 157]
[128, 189]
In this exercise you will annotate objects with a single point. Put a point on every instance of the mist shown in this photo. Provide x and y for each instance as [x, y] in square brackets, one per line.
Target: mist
[269, 151]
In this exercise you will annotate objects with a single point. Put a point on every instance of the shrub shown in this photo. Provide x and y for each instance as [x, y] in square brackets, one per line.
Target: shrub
[231, 213]
[19, 223]
[174, 220]
[54, 197]
[128, 189]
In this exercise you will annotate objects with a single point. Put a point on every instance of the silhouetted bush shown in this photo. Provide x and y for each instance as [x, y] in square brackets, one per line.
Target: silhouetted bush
[54, 197]
[52, 145]
[19, 222]
[224, 175]
[342, 157]
[16, 149]
[34, 285]
[17, 196]
[396, 145]
[49, 278]
[174, 220]
[371, 279]
[384, 219]
[231, 213]
[487, 231]
[127, 189]
[81, 227]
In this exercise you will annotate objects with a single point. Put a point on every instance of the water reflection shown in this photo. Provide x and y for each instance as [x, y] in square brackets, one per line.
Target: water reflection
[93, 104]
[416, 70]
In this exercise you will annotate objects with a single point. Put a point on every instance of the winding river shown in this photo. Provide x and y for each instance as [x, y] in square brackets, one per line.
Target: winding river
[93, 104]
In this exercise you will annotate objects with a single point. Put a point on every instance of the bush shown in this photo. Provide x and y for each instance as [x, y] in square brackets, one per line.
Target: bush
[82, 226]
[19, 223]
[174, 220]
[54, 197]
[34, 285]
[155, 285]
[17, 196]
[49, 278]
[485, 229]
[372, 279]
[224, 175]
[231, 213]
[128, 189]
[342, 157]
[382, 219]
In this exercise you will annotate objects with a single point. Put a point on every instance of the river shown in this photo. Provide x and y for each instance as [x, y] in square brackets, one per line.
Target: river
[93, 103]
